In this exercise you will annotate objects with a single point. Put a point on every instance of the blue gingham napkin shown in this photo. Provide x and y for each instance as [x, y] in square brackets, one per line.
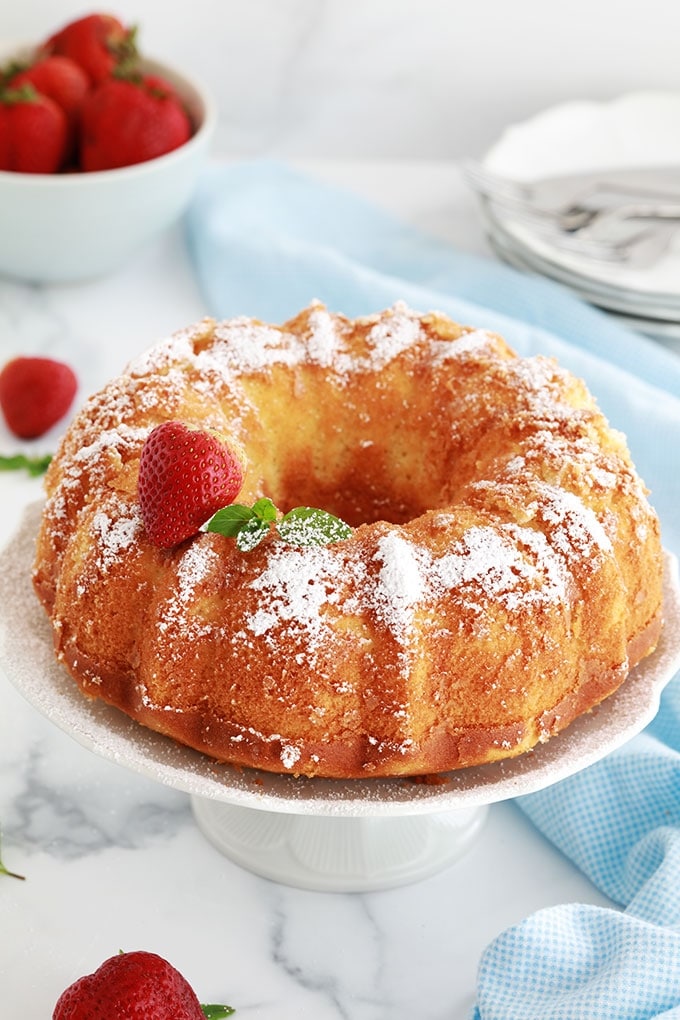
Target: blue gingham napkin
[264, 241]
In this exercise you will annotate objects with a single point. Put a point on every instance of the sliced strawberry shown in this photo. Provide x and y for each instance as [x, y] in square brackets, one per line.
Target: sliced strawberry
[35, 393]
[185, 476]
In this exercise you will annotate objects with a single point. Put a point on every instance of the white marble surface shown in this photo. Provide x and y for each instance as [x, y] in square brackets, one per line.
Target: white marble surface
[112, 860]
[389, 78]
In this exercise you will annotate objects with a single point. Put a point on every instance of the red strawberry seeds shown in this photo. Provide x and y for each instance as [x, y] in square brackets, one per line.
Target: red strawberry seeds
[185, 476]
[35, 393]
[130, 986]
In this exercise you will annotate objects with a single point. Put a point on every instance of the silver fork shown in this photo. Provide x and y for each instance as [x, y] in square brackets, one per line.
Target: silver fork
[624, 201]
[518, 197]
[650, 219]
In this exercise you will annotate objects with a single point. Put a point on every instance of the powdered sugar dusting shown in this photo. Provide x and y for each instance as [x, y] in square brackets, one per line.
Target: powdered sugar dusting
[114, 530]
[197, 562]
[296, 584]
[510, 566]
[174, 350]
[541, 385]
[401, 581]
[248, 346]
[576, 530]
[488, 563]
[395, 333]
[322, 340]
[290, 755]
[241, 346]
[474, 343]
[110, 440]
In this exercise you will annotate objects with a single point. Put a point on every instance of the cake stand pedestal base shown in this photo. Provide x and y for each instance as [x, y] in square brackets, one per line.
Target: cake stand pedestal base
[338, 854]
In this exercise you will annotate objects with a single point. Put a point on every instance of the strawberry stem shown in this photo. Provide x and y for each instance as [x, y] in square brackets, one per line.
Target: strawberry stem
[22, 878]
[25, 93]
[126, 53]
[215, 1012]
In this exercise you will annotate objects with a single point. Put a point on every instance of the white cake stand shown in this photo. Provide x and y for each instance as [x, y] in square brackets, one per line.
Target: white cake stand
[322, 834]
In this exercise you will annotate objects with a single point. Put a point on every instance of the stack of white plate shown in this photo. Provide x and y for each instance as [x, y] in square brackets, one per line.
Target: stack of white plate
[566, 152]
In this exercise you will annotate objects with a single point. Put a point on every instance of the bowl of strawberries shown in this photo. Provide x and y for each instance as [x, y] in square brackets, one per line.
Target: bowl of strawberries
[100, 150]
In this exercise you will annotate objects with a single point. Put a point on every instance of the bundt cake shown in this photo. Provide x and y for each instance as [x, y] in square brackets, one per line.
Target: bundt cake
[500, 576]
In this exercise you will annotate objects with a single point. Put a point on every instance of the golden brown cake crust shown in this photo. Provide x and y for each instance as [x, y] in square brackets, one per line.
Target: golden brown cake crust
[502, 577]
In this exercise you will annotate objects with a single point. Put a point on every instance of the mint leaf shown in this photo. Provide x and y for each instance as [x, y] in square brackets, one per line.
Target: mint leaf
[305, 525]
[217, 1012]
[230, 519]
[265, 509]
[19, 461]
[251, 534]
[248, 525]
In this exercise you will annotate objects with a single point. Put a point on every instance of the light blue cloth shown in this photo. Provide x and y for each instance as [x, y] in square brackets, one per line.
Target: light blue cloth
[265, 241]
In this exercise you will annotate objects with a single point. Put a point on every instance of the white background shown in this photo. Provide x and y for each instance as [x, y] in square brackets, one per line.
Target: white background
[431, 79]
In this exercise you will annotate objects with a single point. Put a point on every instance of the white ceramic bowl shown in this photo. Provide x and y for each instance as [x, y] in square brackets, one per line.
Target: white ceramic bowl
[58, 228]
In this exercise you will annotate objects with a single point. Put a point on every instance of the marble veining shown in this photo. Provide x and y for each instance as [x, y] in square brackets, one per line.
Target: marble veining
[71, 822]
[335, 971]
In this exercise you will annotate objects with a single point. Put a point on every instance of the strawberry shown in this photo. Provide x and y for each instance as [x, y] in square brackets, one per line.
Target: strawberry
[59, 78]
[35, 393]
[185, 476]
[33, 132]
[126, 121]
[133, 986]
[99, 43]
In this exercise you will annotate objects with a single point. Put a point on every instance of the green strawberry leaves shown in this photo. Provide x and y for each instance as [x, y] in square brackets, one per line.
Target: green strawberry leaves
[302, 525]
[214, 1012]
[19, 461]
